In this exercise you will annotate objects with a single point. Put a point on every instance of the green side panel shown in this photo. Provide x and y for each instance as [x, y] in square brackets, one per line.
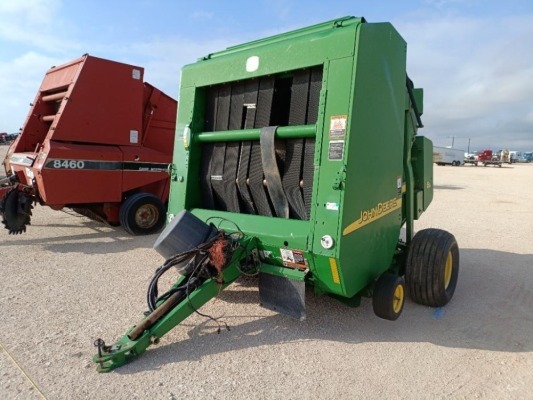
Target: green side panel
[286, 52]
[418, 94]
[422, 161]
[371, 206]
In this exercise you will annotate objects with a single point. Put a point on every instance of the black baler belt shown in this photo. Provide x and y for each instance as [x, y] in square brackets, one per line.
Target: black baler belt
[251, 90]
[223, 106]
[315, 85]
[211, 105]
[264, 101]
[294, 148]
[314, 95]
[271, 171]
[219, 152]
[229, 177]
[242, 176]
[205, 176]
[255, 172]
[299, 96]
[236, 106]
[291, 177]
[257, 189]
[217, 174]
[308, 173]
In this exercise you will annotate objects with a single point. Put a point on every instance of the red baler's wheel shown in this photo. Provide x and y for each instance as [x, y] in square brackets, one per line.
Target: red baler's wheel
[142, 214]
[147, 216]
[16, 208]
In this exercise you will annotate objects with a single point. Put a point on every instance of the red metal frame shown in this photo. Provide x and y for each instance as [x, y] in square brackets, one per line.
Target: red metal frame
[94, 134]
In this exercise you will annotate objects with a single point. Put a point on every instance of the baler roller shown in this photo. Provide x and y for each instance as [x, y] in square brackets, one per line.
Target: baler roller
[283, 132]
[54, 97]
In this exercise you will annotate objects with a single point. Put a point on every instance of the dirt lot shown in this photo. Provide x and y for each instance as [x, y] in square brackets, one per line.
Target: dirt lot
[70, 280]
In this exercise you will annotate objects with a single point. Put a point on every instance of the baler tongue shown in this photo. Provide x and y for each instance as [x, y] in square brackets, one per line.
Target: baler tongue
[209, 259]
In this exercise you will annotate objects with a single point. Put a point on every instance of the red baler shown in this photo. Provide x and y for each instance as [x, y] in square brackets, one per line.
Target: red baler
[98, 140]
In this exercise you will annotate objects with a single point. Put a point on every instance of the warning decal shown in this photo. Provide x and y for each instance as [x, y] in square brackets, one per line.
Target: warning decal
[337, 127]
[293, 258]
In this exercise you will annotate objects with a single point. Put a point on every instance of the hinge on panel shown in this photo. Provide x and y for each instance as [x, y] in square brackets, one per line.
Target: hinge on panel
[339, 180]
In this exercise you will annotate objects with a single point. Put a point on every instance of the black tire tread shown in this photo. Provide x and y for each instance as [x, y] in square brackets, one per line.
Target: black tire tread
[382, 299]
[425, 267]
[128, 207]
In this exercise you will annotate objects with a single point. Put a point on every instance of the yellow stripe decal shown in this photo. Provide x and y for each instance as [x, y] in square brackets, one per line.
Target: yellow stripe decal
[373, 214]
[334, 271]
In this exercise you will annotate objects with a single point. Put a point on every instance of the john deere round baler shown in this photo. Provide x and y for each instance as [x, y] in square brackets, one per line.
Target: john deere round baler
[297, 158]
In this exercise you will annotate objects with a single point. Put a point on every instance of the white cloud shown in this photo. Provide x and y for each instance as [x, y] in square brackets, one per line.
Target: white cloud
[477, 74]
[35, 23]
[20, 80]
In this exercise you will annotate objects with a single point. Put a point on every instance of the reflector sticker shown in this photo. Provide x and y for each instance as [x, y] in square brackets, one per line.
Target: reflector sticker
[332, 206]
[252, 64]
[134, 136]
[334, 271]
[399, 186]
[293, 258]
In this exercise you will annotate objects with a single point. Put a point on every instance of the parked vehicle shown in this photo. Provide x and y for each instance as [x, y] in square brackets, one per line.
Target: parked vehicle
[448, 156]
[487, 157]
[98, 140]
[471, 158]
[526, 157]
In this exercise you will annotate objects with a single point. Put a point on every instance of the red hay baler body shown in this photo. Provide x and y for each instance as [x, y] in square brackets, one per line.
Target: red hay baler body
[97, 139]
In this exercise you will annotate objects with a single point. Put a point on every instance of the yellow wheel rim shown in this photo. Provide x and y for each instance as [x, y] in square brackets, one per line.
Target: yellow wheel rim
[397, 301]
[448, 269]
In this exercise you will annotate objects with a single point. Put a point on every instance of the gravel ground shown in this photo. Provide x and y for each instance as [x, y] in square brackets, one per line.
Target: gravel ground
[70, 280]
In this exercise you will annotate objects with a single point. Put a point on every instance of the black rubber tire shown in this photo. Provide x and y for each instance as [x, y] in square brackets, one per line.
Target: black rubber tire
[129, 216]
[432, 267]
[389, 296]
[14, 221]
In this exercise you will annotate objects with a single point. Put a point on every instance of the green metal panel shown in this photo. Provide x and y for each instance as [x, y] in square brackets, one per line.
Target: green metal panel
[285, 52]
[371, 208]
[422, 160]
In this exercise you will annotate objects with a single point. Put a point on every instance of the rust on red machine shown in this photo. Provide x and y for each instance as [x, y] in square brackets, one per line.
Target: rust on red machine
[97, 139]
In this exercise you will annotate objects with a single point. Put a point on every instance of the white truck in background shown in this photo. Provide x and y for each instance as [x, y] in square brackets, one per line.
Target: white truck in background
[448, 156]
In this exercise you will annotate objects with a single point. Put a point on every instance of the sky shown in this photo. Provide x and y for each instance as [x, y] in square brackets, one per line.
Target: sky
[474, 58]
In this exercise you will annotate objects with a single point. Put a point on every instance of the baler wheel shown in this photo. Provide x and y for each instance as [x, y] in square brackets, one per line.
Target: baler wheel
[432, 267]
[15, 209]
[389, 296]
[142, 214]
